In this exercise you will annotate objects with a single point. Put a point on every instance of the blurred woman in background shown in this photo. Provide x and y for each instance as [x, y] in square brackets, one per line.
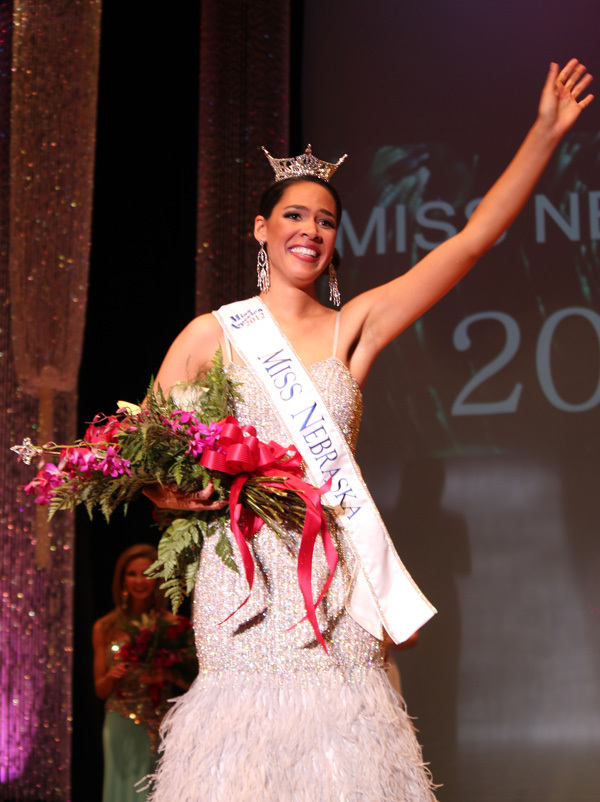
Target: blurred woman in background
[141, 651]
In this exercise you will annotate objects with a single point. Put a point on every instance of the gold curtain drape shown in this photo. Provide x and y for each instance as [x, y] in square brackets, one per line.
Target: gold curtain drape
[52, 139]
[47, 153]
[53, 116]
[244, 103]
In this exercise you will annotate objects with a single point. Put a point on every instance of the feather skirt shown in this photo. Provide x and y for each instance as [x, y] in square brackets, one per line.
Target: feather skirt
[266, 738]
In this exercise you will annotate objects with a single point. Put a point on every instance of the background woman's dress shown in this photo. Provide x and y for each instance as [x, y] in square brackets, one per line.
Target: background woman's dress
[271, 716]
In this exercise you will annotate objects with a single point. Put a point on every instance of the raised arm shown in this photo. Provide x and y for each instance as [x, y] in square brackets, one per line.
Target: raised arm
[382, 313]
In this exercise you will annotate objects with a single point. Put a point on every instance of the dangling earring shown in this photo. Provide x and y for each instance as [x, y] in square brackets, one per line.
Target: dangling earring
[124, 600]
[334, 290]
[262, 269]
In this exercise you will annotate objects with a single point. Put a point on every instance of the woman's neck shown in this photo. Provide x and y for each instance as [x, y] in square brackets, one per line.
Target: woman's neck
[291, 303]
[308, 324]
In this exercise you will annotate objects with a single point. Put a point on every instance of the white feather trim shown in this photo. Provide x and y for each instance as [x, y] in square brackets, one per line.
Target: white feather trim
[269, 738]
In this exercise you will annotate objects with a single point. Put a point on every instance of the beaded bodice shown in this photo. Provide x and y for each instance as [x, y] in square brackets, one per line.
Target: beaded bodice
[338, 387]
[257, 638]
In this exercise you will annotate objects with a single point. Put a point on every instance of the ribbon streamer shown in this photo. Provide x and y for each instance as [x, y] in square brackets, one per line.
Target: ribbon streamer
[242, 453]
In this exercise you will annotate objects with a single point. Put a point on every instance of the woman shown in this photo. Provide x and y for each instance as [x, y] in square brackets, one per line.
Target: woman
[136, 690]
[272, 714]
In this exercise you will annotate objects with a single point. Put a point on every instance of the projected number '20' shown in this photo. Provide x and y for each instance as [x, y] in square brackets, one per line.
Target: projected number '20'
[462, 342]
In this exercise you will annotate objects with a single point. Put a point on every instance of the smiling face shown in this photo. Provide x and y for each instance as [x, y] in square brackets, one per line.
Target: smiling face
[299, 234]
[135, 582]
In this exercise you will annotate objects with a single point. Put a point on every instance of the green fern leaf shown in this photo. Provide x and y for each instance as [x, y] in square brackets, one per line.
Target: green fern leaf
[224, 551]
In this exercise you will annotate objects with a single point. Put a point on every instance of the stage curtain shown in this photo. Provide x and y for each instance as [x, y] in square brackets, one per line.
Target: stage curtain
[48, 76]
[244, 103]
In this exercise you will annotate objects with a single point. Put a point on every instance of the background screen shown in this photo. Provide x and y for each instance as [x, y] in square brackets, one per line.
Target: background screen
[481, 436]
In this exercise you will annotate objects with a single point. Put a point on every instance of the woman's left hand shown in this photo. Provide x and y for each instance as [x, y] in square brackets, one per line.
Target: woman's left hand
[559, 105]
[171, 498]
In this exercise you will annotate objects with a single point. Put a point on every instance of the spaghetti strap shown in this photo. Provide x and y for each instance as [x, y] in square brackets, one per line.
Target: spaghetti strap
[337, 331]
[227, 350]
[228, 359]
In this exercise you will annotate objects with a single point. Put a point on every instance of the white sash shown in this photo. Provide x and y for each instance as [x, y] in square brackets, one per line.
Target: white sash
[384, 593]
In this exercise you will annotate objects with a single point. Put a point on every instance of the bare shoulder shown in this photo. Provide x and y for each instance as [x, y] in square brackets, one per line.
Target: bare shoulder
[192, 351]
[201, 333]
[101, 629]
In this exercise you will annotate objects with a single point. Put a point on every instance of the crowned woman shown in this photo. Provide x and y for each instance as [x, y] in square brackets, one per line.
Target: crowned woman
[292, 702]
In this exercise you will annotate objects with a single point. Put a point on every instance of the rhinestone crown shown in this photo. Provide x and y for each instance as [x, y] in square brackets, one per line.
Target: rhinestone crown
[304, 164]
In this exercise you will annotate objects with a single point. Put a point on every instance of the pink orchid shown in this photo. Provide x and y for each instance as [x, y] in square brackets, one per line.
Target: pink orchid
[185, 417]
[108, 433]
[204, 438]
[48, 478]
[83, 458]
[173, 425]
[114, 465]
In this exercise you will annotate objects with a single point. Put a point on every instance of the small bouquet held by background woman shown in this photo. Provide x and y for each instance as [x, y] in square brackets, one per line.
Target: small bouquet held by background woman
[159, 644]
[190, 445]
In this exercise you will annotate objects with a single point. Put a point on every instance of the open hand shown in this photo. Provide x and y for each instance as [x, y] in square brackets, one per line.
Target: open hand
[171, 498]
[559, 104]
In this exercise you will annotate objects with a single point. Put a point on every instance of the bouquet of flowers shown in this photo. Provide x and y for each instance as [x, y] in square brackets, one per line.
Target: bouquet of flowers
[156, 642]
[190, 442]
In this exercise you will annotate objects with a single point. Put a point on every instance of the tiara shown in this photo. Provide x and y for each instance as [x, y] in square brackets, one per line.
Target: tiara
[304, 164]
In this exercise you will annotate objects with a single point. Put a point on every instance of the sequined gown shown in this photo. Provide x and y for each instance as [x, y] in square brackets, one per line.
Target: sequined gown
[271, 716]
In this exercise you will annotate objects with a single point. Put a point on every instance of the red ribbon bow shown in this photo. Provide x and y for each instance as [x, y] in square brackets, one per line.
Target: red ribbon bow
[243, 456]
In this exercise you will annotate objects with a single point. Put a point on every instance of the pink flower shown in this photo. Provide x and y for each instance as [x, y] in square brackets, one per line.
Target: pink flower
[184, 417]
[114, 465]
[173, 425]
[108, 433]
[48, 478]
[204, 438]
[82, 458]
